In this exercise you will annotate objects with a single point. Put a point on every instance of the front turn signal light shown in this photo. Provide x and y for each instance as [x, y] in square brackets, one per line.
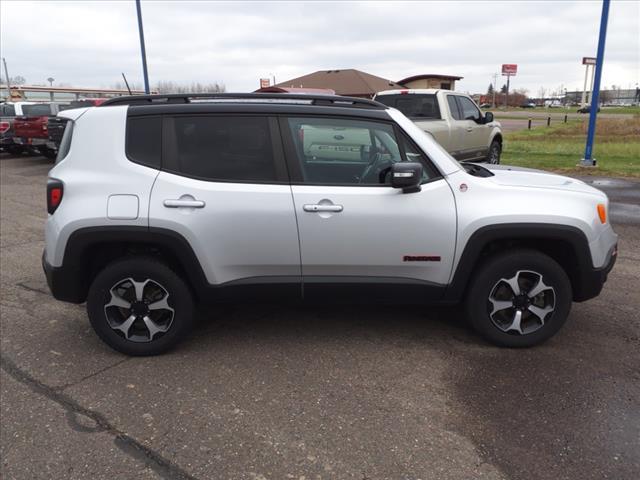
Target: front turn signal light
[602, 213]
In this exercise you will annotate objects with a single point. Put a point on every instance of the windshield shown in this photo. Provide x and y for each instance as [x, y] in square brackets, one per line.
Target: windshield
[33, 110]
[413, 105]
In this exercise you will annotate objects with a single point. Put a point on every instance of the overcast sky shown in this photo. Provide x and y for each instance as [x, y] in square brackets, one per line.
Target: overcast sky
[88, 43]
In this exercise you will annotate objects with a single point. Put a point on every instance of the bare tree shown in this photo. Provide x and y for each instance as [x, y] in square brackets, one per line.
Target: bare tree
[542, 93]
[17, 80]
[165, 86]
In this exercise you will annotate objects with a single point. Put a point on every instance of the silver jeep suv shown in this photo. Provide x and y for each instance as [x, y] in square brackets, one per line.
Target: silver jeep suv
[158, 202]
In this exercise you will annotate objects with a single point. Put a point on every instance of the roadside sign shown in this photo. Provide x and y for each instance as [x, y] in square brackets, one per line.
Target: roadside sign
[589, 60]
[509, 68]
[264, 82]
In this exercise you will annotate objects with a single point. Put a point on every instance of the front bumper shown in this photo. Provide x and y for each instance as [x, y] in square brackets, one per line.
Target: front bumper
[592, 282]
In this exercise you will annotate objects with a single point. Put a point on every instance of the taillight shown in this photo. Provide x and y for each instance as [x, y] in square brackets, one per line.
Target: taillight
[4, 126]
[55, 190]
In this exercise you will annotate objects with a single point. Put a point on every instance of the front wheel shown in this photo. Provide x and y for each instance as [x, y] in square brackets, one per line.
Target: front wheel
[495, 150]
[139, 306]
[519, 299]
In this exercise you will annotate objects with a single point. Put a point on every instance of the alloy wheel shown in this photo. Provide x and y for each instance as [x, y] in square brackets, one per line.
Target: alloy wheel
[521, 304]
[494, 154]
[139, 311]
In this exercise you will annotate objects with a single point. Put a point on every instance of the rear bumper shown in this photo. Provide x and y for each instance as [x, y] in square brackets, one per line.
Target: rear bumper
[63, 282]
[592, 282]
[30, 141]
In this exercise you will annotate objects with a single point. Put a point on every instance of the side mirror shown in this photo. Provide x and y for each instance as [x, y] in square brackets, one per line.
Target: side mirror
[488, 117]
[407, 176]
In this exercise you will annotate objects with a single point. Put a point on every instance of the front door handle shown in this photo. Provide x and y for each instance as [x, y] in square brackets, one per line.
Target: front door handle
[177, 203]
[469, 129]
[322, 208]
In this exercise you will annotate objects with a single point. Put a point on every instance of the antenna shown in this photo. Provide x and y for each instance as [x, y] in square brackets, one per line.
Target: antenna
[126, 83]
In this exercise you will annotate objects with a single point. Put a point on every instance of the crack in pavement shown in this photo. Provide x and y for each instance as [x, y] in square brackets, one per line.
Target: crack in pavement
[32, 289]
[84, 420]
[73, 384]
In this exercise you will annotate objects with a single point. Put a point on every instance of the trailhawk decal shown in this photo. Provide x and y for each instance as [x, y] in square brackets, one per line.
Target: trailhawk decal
[421, 258]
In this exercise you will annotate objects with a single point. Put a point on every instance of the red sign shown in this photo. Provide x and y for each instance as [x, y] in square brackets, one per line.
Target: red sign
[589, 60]
[509, 68]
[264, 82]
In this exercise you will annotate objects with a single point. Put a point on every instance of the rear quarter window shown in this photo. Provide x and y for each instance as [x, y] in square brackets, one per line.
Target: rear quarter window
[144, 141]
[65, 143]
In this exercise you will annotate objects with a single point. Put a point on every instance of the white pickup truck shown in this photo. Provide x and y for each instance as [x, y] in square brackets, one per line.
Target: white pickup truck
[453, 119]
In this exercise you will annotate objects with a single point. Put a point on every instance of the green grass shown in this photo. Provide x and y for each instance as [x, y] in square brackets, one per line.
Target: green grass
[560, 147]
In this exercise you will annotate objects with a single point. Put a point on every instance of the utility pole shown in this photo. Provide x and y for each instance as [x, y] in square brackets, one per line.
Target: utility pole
[506, 96]
[584, 90]
[495, 85]
[6, 72]
[588, 160]
[142, 48]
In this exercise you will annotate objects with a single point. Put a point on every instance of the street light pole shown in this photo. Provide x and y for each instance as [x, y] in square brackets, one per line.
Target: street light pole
[142, 48]
[588, 160]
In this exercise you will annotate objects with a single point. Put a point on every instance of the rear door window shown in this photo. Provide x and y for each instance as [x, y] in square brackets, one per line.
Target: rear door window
[221, 148]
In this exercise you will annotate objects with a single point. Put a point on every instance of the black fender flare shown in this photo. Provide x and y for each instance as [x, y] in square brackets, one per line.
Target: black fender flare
[586, 280]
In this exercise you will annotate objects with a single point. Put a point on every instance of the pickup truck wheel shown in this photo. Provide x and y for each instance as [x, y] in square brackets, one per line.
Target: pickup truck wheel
[15, 150]
[519, 299]
[495, 149]
[48, 153]
[139, 306]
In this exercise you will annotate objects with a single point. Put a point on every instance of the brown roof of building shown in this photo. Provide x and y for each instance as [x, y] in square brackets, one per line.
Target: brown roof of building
[428, 75]
[344, 82]
[325, 91]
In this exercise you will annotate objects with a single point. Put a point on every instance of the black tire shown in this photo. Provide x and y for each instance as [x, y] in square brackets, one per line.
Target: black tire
[140, 269]
[48, 153]
[495, 150]
[15, 150]
[487, 283]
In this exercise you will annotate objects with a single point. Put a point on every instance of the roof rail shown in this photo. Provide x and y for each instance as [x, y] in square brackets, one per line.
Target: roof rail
[299, 98]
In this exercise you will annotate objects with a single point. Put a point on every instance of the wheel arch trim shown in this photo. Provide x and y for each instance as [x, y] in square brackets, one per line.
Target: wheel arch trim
[586, 280]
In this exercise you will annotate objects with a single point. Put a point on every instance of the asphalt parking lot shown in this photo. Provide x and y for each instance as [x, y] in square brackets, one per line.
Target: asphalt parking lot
[307, 392]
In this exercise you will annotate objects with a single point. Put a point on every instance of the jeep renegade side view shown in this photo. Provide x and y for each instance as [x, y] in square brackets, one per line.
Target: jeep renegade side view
[158, 202]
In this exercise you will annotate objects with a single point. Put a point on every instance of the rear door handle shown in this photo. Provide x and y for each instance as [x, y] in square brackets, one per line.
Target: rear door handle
[469, 129]
[322, 208]
[177, 203]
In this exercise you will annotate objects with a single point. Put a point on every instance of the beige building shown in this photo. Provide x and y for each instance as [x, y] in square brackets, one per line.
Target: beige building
[431, 80]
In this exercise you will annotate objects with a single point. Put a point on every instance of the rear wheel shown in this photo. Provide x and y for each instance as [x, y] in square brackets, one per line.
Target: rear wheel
[519, 299]
[139, 306]
[495, 150]
[15, 150]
